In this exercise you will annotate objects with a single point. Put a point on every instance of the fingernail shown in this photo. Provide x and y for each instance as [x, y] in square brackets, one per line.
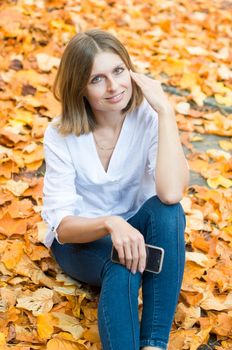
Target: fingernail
[141, 270]
[133, 271]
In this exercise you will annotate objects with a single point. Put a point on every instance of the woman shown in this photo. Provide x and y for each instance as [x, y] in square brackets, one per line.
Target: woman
[115, 173]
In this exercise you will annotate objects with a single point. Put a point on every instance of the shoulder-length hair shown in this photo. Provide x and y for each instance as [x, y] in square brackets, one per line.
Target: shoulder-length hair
[73, 75]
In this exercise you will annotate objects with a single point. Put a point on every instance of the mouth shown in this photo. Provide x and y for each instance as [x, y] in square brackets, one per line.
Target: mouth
[115, 97]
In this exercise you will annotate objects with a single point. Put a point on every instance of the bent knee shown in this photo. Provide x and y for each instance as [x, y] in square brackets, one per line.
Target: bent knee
[155, 204]
[163, 214]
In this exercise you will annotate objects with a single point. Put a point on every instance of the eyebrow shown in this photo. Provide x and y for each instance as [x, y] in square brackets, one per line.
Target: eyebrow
[118, 65]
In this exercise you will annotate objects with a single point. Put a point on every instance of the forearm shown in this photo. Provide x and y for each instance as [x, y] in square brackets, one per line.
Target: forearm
[74, 229]
[172, 173]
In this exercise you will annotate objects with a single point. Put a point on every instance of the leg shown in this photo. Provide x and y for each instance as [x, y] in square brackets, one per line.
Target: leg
[118, 318]
[162, 225]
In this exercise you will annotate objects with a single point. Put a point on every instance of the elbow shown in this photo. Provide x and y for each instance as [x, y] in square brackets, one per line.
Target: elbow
[170, 199]
[61, 229]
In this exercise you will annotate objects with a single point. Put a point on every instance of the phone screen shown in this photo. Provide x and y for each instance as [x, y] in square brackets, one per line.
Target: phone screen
[154, 261]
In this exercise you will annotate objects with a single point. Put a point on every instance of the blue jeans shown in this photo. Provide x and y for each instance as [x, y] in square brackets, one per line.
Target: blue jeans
[118, 318]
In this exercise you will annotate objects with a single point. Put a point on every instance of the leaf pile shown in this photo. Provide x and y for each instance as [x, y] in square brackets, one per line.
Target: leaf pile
[186, 46]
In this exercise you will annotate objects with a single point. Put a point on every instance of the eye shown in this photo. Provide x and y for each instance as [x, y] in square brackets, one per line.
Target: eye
[119, 70]
[96, 79]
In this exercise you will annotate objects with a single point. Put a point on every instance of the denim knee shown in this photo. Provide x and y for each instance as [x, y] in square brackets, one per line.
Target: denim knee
[165, 212]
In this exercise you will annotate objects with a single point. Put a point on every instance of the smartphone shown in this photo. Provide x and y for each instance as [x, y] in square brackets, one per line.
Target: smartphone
[154, 261]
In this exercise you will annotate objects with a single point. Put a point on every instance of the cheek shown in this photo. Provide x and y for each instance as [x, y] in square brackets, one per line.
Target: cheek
[94, 94]
[127, 81]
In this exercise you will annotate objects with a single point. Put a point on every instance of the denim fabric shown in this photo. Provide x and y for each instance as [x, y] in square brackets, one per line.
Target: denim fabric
[118, 319]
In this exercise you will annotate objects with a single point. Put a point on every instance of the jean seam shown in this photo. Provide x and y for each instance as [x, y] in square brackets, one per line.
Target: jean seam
[133, 328]
[153, 282]
[178, 245]
[151, 216]
[106, 320]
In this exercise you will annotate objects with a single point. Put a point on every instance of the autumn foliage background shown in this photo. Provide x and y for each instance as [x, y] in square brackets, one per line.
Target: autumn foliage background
[186, 45]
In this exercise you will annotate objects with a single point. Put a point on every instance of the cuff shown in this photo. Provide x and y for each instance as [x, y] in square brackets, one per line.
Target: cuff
[53, 229]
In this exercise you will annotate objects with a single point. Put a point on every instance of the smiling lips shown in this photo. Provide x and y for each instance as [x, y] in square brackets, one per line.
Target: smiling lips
[115, 98]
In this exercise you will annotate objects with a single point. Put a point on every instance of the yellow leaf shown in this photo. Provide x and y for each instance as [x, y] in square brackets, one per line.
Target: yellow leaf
[224, 72]
[12, 254]
[219, 181]
[198, 95]
[183, 108]
[61, 344]
[187, 316]
[39, 302]
[188, 80]
[224, 100]
[226, 145]
[217, 154]
[45, 326]
[66, 290]
[42, 227]
[16, 187]
[196, 50]
[196, 138]
[46, 62]
[92, 334]
[200, 338]
[69, 324]
[21, 116]
[199, 258]
[2, 339]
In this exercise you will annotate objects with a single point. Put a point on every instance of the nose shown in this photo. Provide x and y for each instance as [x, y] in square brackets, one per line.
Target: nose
[112, 84]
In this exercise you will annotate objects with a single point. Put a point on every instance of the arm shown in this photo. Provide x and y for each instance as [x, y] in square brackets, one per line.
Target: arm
[75, 229]
[172, 173]
[128, 241]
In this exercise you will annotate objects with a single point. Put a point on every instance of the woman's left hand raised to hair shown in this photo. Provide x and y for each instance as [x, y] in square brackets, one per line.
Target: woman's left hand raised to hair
[152, 91]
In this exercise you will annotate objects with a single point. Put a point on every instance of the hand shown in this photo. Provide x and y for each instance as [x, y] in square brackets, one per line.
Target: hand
[152, 91]
[129, 243]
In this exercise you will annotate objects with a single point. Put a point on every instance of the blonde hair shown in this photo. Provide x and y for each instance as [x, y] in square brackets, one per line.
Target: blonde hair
[73, 75]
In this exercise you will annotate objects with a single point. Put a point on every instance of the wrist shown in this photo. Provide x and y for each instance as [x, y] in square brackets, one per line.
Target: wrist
[111, 221]
[166, 112]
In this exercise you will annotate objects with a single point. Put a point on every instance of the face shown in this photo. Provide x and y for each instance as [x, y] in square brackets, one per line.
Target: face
[109, 87]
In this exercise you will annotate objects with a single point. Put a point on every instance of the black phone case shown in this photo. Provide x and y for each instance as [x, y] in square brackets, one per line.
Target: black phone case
[155, 256]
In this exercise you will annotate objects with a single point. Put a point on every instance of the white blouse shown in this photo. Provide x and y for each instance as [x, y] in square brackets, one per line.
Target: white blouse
[76, 183]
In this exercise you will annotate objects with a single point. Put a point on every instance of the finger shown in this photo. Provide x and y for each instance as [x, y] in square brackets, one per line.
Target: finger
[139, 79]
[135, 257]
[142, 257]
[128, 255]
[135, 75]
[144, 78]
[121, 255]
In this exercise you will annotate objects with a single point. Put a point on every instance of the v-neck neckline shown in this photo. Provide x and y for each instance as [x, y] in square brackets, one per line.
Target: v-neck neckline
[116, 152]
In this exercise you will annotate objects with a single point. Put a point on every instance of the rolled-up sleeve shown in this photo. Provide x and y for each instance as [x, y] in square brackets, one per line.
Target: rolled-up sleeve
[60, 198]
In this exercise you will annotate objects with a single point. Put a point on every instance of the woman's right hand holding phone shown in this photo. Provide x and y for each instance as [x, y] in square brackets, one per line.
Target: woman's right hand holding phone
[129, 243]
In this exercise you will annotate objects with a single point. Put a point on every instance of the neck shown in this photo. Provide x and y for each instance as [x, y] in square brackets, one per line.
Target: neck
[112, 120]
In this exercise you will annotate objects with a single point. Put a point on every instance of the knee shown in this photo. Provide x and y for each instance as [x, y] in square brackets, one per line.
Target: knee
[165, 214]
[155, 204]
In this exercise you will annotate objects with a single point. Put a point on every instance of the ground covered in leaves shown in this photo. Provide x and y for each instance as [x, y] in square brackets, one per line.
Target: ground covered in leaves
[186, 46]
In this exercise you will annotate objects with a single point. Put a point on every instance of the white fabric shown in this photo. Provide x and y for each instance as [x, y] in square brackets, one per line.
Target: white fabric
[76, 183]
